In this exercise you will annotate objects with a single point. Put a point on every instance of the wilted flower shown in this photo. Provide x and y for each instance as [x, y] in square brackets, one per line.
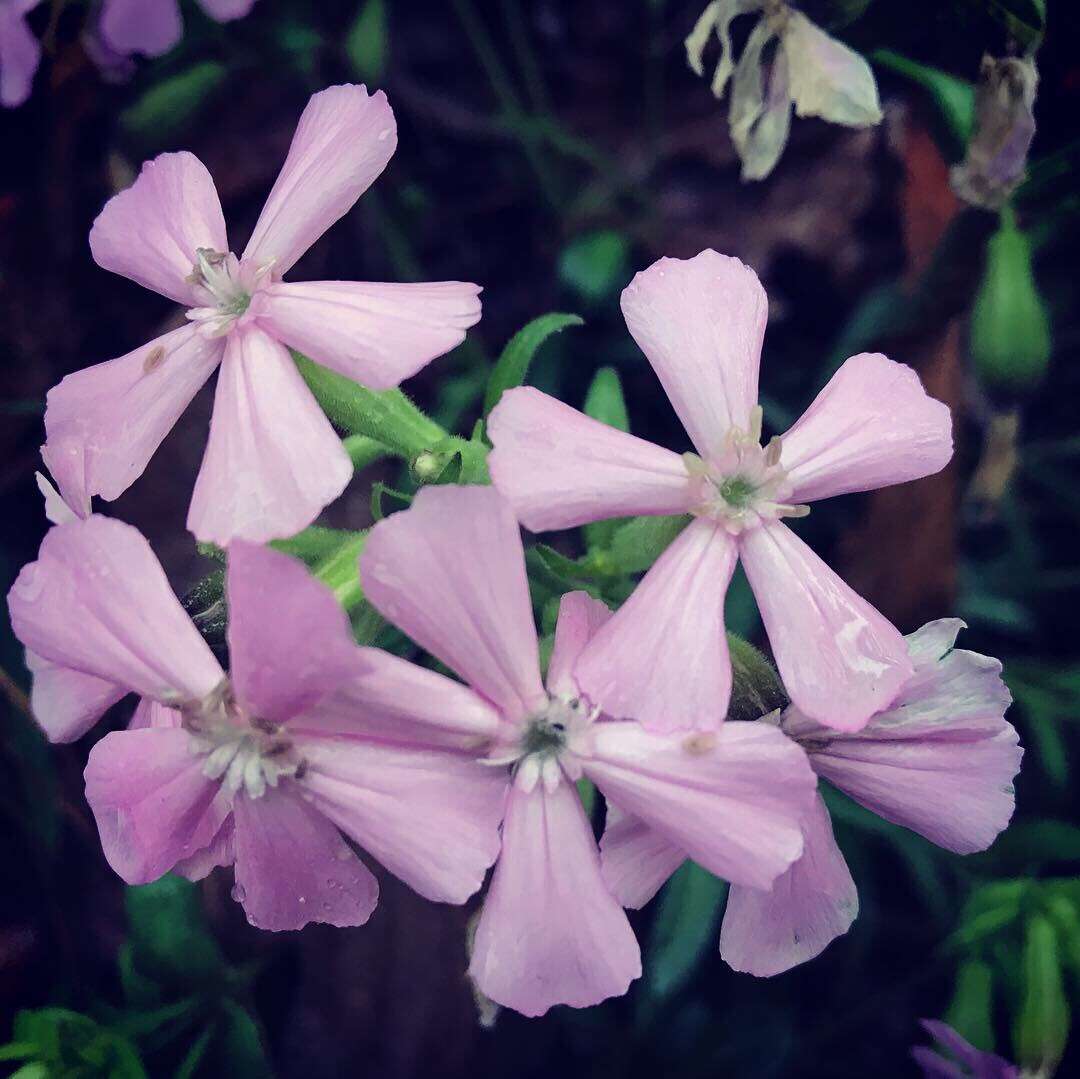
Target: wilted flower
[817, 74]
[663, 657]
[260, 769]
[939, 760]
[450, 573]
[20, 52]
[967, 1062]
[152, 27]
[272, 460]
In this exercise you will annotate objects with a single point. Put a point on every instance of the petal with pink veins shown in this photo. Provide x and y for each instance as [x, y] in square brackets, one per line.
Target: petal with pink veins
[66, 703]
[273, 460]
[700, 323]
[104, 423]
[813, 903]
[663, 656]
[636, 859]
[840, 659]
[343, 141]
[151, 232]
[873, 425]
[450, 572]
[20, 55]
[580, 617]
[550, 932]
[375, 334]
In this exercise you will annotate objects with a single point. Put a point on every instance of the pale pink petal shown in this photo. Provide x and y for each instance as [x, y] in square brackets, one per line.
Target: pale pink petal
[20, 55]
[580, 616]
[636, 860]
[376, 334]
[290, 643]
[700, 323]
[149, 713]
[150, 27]
[732, 799]
[273, 460]
[663, 656]
[550, 932]
[226, 10]
[97, 601]
[344, 139]
[560, 468]
[431, 818]
[872, 425]
[814, 902]
[151, 231]
[220, 852]
[840, 660]
[67, 703]
[392, 700]
[57, 511]
[450, 572]
[293, 866]
[104, 423]
[152, 803]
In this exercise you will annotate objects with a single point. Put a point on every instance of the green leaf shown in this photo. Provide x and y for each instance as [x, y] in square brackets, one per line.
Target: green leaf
[241, 1046]
[596, 265]
[971, 1011]
[756, 689]
[314, 544]
[605, 402]
[513, 365]
[364, 451]
[954, 98]
[367, 44]
[194, 1056]
[340, 570]
[168, 106]
[642, 540]
[1042, 1026]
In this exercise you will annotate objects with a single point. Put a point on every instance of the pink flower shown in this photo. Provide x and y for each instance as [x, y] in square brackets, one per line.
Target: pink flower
[153, 27]
[966, 1059]
[663, 658]
[450, 573]
[266, 768]
[20, 52]
[940, 761]
[273, 460]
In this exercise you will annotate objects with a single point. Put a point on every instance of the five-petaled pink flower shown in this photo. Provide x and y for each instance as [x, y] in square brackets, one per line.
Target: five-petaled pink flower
[266, 768]
[273, 460]
[663, 658]
[450, 573]
[153, 27]
[939, 760]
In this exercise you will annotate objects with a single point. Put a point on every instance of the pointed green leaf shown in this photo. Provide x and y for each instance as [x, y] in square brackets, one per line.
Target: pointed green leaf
[513, 365]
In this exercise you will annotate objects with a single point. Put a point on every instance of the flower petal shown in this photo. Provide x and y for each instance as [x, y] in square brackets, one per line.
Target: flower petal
[293, 867]
[57, 511]
[150, 27]
[700, 323]
[220, 852]
[290, 643]
[636, 860]
[375, 334]
[580, 616]
[450, 572]
[20, 55]
[66, 703]
[273, 460]
[344, 139]
[732, 799]
[431, 818]
[814, 902]
[148, 713]
[840, 660]
[560, 468]
[872, 425]
[97, 601]
[663, 656]
[152, 803]
[104, 423]
[550, 932]
[151, 231]
[760, 121]
[226, 10]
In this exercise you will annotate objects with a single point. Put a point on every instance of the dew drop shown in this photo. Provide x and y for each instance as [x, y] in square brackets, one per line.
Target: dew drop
[238, 892]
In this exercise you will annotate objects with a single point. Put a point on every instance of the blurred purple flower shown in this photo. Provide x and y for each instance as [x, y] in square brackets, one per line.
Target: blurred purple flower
[20, 52]
[967, 1061]
[153, 27]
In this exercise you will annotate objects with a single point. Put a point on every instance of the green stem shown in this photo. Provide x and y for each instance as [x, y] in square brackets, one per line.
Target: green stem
[340, 572]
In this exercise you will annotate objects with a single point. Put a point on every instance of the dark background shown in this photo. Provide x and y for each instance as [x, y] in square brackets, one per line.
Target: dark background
[528, 129]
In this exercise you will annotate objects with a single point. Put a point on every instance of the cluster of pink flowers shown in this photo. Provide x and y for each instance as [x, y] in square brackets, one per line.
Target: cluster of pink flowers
[312, 749]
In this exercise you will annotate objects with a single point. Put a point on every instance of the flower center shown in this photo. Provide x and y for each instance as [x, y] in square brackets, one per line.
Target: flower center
[549, 744]
[227, 285]
[745, 484]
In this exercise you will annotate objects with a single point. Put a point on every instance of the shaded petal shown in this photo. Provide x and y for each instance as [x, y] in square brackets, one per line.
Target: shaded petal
[226, 10]
[104, 423]
[153, 805]
[57, 511]
[431, 818]
[700, 323]
[66, 703]
[148, 713]
[872, 425]
[580, 616]
[392, 700]
[97, 601]
[732, 799]
[293, 866]
[273, 460]
[375, 334]
[20, 55]
[151, 231]
[814, 902]
[840, 659]
[976, 1063]
[560, 468]
[450, 572]
[636, 860]
[220, 852]
[663, 656]
[290, 643]
[550, 932]
[149, 27]
[343, 140]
